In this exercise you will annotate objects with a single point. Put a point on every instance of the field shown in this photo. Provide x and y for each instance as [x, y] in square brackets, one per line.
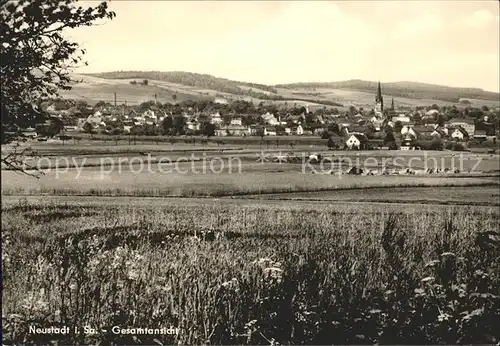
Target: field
[94, 89]
[269, 254]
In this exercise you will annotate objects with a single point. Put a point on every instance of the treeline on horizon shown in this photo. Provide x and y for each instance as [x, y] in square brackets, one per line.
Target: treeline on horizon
[412, 90]
[404, 89]
[209, 82]
[204, 81]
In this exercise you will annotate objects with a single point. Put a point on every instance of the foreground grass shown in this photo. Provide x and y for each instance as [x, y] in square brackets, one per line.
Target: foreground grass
[235, 275]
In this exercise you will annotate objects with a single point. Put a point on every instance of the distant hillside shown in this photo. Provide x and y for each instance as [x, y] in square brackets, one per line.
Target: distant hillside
[185, 85]
[403, 89]
[202, 81]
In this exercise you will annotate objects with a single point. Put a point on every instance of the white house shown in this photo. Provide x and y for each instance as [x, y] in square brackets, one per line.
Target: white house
[270, 131]
[298, 130]
[408, 130]
[356, 141]
[402, 118]
[270, 119]
[193, 125]
[467, 124]
[149, 114]
[94, 119]
[139, 120]
[459, 134]
[236, 122]
[215, 118]
[432, 112]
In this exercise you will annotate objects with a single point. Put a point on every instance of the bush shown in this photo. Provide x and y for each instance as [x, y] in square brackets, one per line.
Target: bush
[455, 146]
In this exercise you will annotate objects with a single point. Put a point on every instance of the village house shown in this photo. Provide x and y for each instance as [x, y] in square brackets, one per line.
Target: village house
[253, 130]
[408, 130]
[377, 122]
[139, 120]
[320, 119]
[459, 134]
[270, 119]
[438, 133]
[29, 133]
[432, 112]
[402, 118]
[95, 119]
[467, 124]
[80, 123]
[480, 134]
[424, 132]
[220, 132]
[193, 125]
[298, 130]
[356, 141]
[270, 131]
[355, 129]
[236, 122]
[215, 118]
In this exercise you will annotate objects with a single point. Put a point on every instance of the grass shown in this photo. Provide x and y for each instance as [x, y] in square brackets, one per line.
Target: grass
[157, 184]
[226, 274]
[477, 195]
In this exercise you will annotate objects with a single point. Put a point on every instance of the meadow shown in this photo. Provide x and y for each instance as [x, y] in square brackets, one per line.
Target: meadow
[224, 273]
[266, 255]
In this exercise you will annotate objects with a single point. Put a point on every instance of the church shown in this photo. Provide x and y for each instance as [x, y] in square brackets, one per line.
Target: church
[379, 103]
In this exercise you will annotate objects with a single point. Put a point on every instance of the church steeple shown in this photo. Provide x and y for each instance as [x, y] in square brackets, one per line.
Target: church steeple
[379, 100]
[392, 104]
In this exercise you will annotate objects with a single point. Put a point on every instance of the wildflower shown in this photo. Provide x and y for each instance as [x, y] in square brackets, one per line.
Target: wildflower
[443, 317]
[231, 285]
[274, 273]
[133, 274]
[432, 263]
[35, 303]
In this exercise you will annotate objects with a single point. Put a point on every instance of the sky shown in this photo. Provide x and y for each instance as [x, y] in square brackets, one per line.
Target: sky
[453, 43]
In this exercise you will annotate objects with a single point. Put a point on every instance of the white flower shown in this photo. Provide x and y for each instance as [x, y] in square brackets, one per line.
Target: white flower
[133, 274]
[443, 317]
[231, 284]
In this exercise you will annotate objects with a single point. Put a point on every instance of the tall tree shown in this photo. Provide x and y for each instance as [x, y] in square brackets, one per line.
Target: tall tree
[167, 124]
[179, 123]
[35, 57]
